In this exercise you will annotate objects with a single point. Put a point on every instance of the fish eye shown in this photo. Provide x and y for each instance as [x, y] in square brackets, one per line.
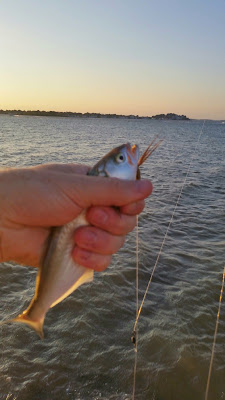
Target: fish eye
[120, 158]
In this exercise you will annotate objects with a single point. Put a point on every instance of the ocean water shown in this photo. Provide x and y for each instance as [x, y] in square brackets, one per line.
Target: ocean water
[87, 352]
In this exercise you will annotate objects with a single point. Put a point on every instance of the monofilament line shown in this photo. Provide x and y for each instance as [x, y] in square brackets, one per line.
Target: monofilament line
[135, 333]
[214, 339]
[160, 252]
[168, 228]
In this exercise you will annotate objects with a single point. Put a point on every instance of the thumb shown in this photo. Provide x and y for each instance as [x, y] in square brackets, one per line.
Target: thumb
[91, 190]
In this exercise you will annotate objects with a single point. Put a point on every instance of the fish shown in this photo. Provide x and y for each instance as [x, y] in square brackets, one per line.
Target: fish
[58, 274]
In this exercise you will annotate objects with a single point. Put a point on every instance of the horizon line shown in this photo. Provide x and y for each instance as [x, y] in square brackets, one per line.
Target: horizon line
[169, 115]
[134, 116]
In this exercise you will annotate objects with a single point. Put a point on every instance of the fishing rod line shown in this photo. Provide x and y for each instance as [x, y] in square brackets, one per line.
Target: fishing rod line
[215, 336]
[139, 309]
[134, 338]
[167, 230]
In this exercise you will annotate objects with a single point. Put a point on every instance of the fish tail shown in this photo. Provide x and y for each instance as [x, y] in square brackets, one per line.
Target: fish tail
[37, 326]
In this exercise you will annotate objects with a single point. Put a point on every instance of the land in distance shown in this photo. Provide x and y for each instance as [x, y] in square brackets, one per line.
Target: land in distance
[169, 116]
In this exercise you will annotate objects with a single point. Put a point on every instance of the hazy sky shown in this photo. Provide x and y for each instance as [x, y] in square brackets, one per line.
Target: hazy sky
[120, 56]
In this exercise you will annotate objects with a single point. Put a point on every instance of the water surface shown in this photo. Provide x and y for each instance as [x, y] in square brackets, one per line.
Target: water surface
[87, 353]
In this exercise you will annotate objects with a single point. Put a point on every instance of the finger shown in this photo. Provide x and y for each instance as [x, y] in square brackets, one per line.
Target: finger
[111, 220]
[95, 261]
[133, 208]
[90, 190]
[97, 240]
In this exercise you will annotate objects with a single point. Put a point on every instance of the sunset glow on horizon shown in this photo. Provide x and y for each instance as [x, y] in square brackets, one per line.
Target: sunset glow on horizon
[118, 57]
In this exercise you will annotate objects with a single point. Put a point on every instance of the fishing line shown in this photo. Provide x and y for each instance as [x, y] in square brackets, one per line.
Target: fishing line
[168, 227]
[133, 338]
[214, 339]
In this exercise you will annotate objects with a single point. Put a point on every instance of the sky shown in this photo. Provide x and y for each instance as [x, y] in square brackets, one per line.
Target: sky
[140, 57]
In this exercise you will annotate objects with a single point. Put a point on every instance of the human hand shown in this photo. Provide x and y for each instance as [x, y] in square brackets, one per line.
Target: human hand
[32, 200]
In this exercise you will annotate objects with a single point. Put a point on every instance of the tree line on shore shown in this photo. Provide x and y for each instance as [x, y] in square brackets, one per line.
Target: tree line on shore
[169, 116]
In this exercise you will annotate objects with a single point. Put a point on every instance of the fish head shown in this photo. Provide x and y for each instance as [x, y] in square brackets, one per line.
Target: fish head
[121, 162]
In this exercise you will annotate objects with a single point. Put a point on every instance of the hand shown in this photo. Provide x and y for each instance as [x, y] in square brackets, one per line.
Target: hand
[34, 199]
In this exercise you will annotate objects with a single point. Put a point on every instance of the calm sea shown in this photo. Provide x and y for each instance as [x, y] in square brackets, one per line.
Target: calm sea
[87, 353]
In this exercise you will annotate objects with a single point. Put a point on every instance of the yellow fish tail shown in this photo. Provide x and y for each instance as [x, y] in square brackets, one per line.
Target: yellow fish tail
[37, 326]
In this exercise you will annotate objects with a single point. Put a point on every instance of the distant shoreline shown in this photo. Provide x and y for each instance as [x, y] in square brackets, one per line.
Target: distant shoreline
[38, 113]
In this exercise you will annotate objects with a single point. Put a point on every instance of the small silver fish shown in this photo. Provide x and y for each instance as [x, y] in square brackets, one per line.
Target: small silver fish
[58, 275]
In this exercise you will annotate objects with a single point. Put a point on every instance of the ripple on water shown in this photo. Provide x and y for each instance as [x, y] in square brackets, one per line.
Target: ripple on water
[87, 353]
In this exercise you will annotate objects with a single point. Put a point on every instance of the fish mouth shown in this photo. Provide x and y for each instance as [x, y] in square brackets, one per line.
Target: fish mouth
[132, 153]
